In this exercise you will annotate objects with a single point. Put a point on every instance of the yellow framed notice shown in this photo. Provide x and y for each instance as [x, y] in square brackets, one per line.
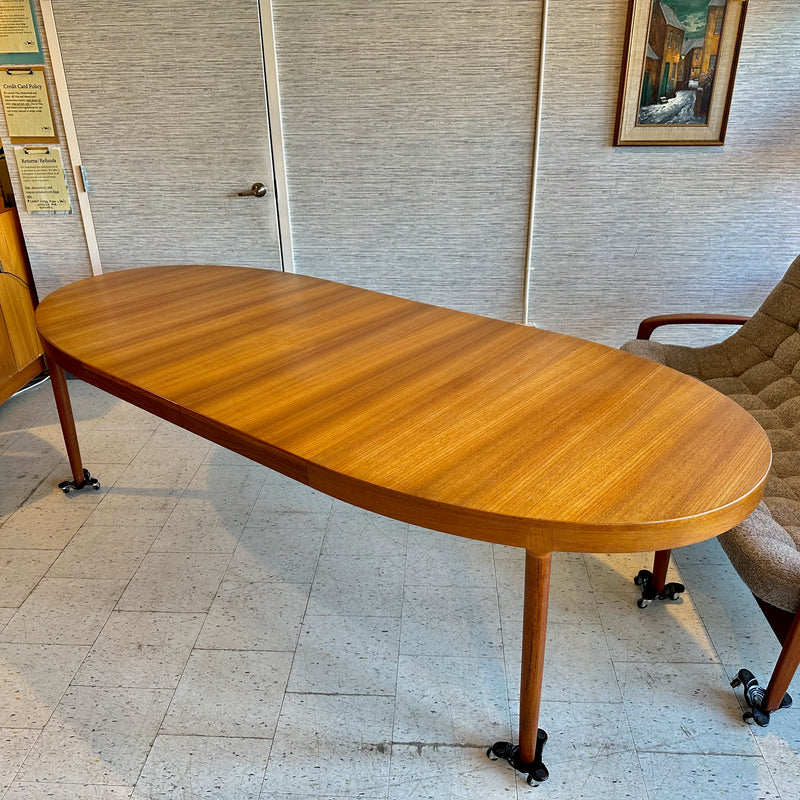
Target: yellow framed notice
[17, 28]
[26, 102]
[41, 173]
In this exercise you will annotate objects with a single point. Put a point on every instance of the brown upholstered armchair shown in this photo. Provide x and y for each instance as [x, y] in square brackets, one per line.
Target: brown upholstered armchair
[758, 367]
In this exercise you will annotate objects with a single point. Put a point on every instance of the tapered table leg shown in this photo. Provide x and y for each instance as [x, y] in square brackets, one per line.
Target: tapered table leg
[762, 702]
[785, 669]
[660, 567]
[527, 756]
[80, 476]
[534, 633]
[654, 584]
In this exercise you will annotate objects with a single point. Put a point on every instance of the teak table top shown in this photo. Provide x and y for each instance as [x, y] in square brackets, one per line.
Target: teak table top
[447, 420]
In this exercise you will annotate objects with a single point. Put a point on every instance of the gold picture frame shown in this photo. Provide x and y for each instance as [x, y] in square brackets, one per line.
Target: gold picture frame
[678, 71]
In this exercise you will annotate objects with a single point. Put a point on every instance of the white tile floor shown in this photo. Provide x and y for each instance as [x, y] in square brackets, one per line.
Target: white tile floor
[204, 628]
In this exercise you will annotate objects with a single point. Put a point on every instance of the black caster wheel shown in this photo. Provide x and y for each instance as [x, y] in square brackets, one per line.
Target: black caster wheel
[88, 480]
[649, 593]
[756, 717]
[754, 695]
[539, 775]
[535, 771]
[672, 590]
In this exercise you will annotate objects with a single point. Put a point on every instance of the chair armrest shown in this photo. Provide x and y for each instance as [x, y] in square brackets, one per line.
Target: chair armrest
[647, 326]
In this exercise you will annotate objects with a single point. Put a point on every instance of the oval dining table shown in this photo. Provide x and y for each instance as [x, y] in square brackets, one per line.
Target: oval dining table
[459, 423]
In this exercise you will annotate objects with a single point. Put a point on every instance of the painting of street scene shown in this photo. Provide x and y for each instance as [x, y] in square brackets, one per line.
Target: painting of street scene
[683, 45]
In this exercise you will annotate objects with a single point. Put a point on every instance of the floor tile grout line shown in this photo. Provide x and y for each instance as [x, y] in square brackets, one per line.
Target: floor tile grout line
[101, 628]
[69, 684]
[511, 704]
[40, 732]
[640, 751]
[399, 658]
[167, 706]
[626, 711]
[709, 633]
[643, 755]
[280, 713]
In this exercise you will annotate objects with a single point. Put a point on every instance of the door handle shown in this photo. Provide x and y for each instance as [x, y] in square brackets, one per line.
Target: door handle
[256, 190]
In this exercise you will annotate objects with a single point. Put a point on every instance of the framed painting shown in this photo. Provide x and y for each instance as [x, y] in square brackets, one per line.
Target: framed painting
[678, 71]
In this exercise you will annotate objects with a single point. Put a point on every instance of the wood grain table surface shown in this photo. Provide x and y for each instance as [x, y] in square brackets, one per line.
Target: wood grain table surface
[455, 422]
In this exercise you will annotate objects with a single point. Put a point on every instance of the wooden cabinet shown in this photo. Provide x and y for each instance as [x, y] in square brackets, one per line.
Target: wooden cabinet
[20, 348]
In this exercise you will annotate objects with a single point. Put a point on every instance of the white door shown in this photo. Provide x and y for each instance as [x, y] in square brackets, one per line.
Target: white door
[170, 111]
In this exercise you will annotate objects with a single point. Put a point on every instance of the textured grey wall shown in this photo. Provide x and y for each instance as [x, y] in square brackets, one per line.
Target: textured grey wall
[56, 244]
[408, 128]
[621, 233]
[408, 135]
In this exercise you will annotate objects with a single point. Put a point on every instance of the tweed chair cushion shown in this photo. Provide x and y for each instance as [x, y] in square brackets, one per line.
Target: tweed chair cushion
[759, 368]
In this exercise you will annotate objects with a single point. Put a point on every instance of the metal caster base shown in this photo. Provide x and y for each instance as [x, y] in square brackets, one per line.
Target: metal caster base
[754, 697]
[88, 480]
[534, 771]
[649, 593]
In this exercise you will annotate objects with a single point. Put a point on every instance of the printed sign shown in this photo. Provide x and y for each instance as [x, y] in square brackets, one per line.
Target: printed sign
[19, 38]
[41, 173]
[27, 105]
